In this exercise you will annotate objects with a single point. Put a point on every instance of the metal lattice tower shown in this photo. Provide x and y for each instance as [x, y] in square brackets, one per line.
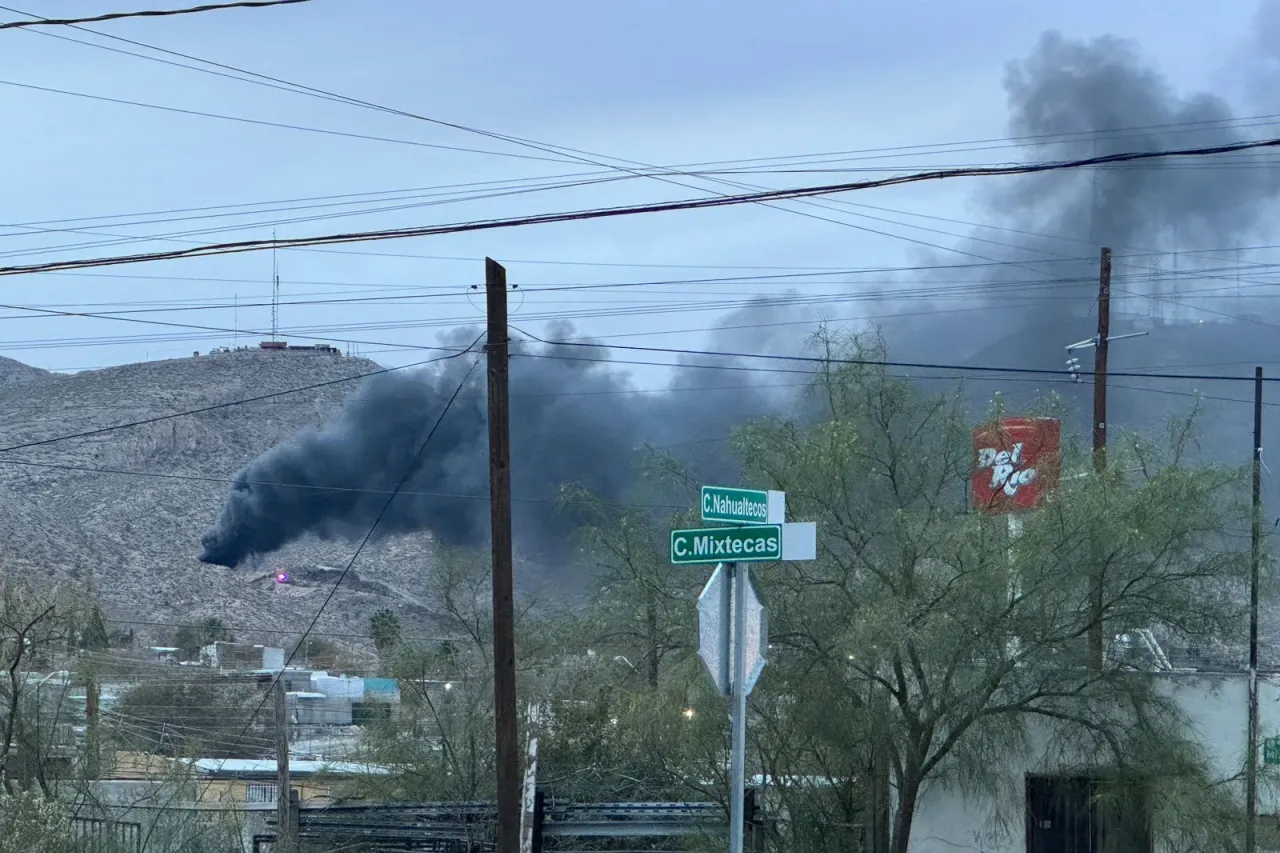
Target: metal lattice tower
[275, 293]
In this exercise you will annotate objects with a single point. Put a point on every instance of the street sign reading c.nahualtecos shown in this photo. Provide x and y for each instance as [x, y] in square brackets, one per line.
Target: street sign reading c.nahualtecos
[726, 505]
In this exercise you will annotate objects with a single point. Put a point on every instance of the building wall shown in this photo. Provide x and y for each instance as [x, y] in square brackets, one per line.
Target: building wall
[321, 712]
[259, 793]
[949, 820]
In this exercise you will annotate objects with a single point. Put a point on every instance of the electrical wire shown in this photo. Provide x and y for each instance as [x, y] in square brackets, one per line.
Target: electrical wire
[963, 371]
[934, 293]
[175, 236]
[151, 13]
[274, 124]
[630, 210]
[809, 360]
[293, 87]
[534, 500]
[915, 365]
[918, 293]
[256, 78]
[258, 630]
[229, 404]
[369, 535]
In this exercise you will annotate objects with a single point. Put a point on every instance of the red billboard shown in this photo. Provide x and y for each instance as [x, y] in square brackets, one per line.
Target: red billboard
[1016, 464]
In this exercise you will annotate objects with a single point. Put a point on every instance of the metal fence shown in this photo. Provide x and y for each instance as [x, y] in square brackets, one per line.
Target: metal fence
[106, 836]
[471, 827]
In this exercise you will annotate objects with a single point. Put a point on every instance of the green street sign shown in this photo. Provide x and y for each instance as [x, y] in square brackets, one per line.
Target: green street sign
[1271, 751]
[756, 544]
[742, 506]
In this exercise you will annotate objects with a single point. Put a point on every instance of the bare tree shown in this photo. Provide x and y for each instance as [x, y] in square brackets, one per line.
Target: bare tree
[39, 629]
[442, 741]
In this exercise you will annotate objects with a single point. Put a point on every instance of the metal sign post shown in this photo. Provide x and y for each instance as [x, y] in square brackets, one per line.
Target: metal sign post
[733, 634]
[738, 757]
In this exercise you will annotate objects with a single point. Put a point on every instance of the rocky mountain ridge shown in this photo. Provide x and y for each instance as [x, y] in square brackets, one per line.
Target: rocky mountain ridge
[107, 488]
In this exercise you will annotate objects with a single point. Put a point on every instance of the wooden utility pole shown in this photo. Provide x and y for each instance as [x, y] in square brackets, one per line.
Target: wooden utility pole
[93, 740]
[286, 825]
[1100, 364]
[1100, 441]
[1251, 761]
[504, 640]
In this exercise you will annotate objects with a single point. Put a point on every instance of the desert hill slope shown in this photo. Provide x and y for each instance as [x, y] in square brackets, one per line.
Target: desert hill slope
[126, 509]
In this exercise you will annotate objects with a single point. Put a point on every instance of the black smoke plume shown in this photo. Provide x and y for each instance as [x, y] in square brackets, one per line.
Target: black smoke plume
[1172, 224]
[576, 417]
[1036, 293]
[1030, 291]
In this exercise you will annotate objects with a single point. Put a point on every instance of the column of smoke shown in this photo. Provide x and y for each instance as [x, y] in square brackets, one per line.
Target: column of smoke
[575, 418]
[1033, 287]
[1030, 292]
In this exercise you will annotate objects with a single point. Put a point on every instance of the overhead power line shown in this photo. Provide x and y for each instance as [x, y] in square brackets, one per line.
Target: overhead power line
[632, 210]
[149, 13]
[268, 81]
[228, 404]
[796, 361]
[279, 125]
[365, 541]
[862, 362]
[662, 173]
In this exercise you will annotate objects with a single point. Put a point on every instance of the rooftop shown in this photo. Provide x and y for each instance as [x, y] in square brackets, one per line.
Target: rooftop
[267, 767]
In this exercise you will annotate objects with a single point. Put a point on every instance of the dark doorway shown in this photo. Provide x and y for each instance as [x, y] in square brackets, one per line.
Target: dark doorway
[370, 713]
[1084, 814]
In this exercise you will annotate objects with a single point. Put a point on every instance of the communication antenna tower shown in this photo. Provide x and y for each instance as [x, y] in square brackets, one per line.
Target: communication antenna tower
[275, 294]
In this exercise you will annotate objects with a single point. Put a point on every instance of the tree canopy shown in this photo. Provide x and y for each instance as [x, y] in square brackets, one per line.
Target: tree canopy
[926, 644]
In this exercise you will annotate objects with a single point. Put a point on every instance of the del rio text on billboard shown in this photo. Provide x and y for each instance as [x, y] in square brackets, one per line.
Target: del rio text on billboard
[1016, 464]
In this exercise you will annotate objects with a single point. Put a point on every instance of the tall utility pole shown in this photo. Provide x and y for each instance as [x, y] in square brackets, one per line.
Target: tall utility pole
[1100, 439]
[1255, 553]
[1100, 364]
[285, 822]
[1101, 343]
[504, 640]
[93, 741]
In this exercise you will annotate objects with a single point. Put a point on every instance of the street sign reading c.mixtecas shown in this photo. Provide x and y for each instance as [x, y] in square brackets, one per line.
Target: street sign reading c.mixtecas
[726, 505]
[760, 543]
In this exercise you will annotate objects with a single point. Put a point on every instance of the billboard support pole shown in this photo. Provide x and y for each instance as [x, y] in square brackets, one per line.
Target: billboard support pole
[1016, 463]
[1015, 586]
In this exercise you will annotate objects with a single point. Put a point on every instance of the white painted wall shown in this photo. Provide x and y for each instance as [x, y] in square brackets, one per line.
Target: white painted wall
[1216, 705]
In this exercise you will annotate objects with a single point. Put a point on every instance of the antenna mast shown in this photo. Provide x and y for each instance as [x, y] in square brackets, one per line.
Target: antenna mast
[275, 295]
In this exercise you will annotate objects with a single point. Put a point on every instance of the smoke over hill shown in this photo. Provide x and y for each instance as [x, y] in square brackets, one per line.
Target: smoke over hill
[1029, 292]
[576, 418]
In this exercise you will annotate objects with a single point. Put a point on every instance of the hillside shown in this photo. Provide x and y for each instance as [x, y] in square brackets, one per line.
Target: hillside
[135, 534]
[124, 509]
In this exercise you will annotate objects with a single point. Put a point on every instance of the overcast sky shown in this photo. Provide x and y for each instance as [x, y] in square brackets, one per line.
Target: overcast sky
[659, 83]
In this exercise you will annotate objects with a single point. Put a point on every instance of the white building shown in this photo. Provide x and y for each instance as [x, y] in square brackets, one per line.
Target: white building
[1016, 816]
